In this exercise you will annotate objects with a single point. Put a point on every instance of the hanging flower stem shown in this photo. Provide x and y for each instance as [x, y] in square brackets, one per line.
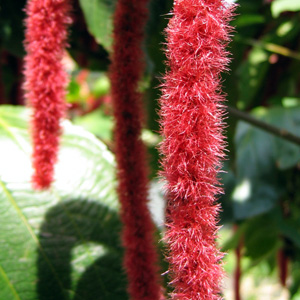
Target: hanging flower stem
[192, 124]
[126, 71]
[238, 271]
[283, 267]
[45, 81]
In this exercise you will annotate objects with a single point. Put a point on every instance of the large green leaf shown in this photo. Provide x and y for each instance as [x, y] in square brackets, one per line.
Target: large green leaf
[260, 157]
[254, 192]
[285, 154]
[98, 15]
[62, 243]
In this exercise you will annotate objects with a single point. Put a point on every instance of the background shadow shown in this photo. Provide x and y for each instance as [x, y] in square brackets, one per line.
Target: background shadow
[70, 224]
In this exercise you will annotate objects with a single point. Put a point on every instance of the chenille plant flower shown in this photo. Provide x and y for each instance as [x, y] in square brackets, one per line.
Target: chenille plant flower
[45, 81]
[192, 124]
[126, 71]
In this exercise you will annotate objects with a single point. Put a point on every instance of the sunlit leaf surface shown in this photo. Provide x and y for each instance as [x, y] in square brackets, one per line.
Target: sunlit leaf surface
[62, 243]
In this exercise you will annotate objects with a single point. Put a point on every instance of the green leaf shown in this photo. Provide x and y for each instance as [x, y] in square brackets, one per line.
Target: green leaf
[73, 95]
[234, 240]
[284, 28]
[261, 197]
[261, 237]
[295, 284]
[252, 74]
[279, 6]
[260, 158]
[256, 191]
[286, 153]
[62, 243]
[99, 18]
[100, 85]
[248, 20]
[228, 181]
[97, 122]
[289, 230]
[289, 225]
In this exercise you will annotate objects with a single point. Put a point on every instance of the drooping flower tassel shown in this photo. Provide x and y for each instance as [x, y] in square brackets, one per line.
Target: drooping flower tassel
[126, 70]
[191, 124]
[45, 81]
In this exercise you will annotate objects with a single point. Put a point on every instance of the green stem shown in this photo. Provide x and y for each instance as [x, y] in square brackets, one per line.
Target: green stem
[271, 47]
[282, 133]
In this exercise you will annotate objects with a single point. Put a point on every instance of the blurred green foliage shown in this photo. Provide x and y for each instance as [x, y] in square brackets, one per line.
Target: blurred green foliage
[262, 179]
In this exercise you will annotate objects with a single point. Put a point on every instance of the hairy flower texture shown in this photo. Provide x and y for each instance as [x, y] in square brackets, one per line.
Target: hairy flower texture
[126, 70]
[45, 81]
[191, 122]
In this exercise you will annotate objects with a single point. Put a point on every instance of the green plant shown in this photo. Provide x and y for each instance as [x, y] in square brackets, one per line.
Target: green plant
[261, 184]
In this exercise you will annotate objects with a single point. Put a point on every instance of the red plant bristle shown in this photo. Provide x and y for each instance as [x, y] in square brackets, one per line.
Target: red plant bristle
[127, 66]
[192, 124]
[45, 81]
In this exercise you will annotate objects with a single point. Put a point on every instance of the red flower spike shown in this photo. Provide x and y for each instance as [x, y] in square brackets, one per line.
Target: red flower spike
[283, 266]
[191, 122]
[126, 70]
[45, 81]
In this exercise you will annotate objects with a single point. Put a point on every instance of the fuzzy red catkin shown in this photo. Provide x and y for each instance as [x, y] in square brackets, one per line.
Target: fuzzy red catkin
[191, 124]
[45, 81]
[127, 66]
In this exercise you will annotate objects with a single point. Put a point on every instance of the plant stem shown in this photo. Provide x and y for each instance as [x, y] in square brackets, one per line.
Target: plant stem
[278, 49]
[282, 133]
